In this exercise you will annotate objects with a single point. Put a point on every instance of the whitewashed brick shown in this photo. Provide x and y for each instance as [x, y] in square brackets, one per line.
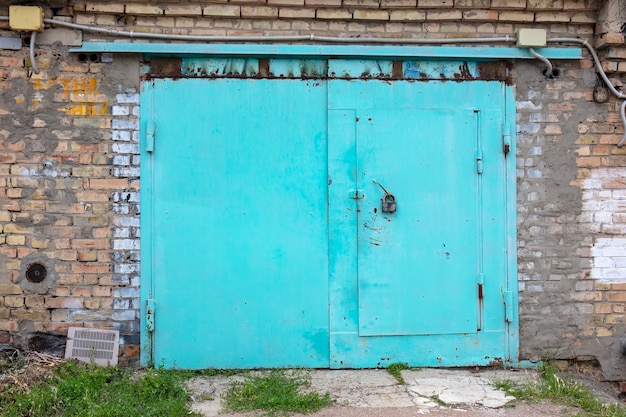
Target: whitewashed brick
[131, 98]
[120, 110]
[120, 135]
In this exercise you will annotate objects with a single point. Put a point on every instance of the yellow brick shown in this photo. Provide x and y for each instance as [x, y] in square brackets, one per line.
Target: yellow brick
[557, 17]
[34, 301]
[289, 13]
[544, 5]
[588, 17]
[577, 5]
[432, 4]
[35, 315]
[13, 301]
[165, 22]
[285, 2]
[407, 15]
[333, 14]
[13, 265]
[16, 240]
[14, 193]
[14, 228]
[183, 10]
[10, 289]
[106, 20]
[603, 308]
[473, 4]
[517, 17]
[144, 9]
[323, 3]
[5, 216]
[444, 15]
[481, 15]
[603, 332]
[374, 4]
[184, 22]
[8, 325]
[396, 4]
[259, 11]
[508, 4]
[370, 15]
[105, 7]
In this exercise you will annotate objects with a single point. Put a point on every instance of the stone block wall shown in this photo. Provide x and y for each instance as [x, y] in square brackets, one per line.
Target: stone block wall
[69, 163]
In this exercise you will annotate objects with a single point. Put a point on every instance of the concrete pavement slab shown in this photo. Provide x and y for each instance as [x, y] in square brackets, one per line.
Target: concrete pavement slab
[424, 390]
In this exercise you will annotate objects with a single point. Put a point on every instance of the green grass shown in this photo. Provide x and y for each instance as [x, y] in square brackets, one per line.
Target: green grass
[395, 370]
[561, 391]
[91, 391]
[275, 393]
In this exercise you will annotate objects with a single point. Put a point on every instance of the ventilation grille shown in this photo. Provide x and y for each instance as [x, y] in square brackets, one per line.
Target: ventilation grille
[93, 345]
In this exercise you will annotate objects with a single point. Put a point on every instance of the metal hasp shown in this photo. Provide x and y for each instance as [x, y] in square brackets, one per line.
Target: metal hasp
[150, 315]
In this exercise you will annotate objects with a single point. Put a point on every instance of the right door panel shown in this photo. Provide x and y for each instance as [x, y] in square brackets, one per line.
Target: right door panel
[418, 266]
[425, 284]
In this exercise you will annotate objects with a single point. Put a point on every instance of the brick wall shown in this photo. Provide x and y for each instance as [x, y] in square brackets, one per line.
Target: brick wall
[69, 162]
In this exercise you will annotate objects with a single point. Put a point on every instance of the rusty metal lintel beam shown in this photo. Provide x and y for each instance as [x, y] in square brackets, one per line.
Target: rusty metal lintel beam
[343, 51]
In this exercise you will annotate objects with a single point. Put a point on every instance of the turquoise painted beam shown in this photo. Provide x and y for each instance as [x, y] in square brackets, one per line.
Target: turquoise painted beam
[335, 51]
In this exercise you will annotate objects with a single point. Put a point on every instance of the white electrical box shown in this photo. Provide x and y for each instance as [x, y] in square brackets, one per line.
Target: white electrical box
[531, 38]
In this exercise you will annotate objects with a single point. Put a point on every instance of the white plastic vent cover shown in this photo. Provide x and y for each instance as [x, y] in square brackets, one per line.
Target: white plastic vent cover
[92, 345]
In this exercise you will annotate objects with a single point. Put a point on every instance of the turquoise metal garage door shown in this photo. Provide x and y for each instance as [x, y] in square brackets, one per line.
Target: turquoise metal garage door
[267, 238]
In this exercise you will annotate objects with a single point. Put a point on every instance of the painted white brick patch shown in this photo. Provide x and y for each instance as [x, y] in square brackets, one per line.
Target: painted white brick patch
[125, 239]
[604, 213]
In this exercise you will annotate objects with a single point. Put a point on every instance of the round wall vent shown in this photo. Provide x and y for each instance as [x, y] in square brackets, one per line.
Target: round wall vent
[36, 272]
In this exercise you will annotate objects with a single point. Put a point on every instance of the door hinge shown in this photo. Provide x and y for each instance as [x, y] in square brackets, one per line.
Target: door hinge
[506, 138]
[508, 306]
[480, 292]
[150, 315]
[150, 132]
[479, 161]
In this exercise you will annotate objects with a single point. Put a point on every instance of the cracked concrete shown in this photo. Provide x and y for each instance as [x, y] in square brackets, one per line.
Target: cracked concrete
[425, 391]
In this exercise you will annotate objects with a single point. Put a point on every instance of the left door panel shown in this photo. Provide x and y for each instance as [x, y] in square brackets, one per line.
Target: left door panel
[235, 240]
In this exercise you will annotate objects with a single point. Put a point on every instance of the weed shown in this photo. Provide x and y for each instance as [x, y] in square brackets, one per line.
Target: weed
[88, 390]
[11, 360]
[562, 391]
[276, 393]
[190, 373]
[396, 369]
[439, 401]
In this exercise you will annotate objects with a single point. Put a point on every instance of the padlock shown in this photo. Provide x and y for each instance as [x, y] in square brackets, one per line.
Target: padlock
[389, 203]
